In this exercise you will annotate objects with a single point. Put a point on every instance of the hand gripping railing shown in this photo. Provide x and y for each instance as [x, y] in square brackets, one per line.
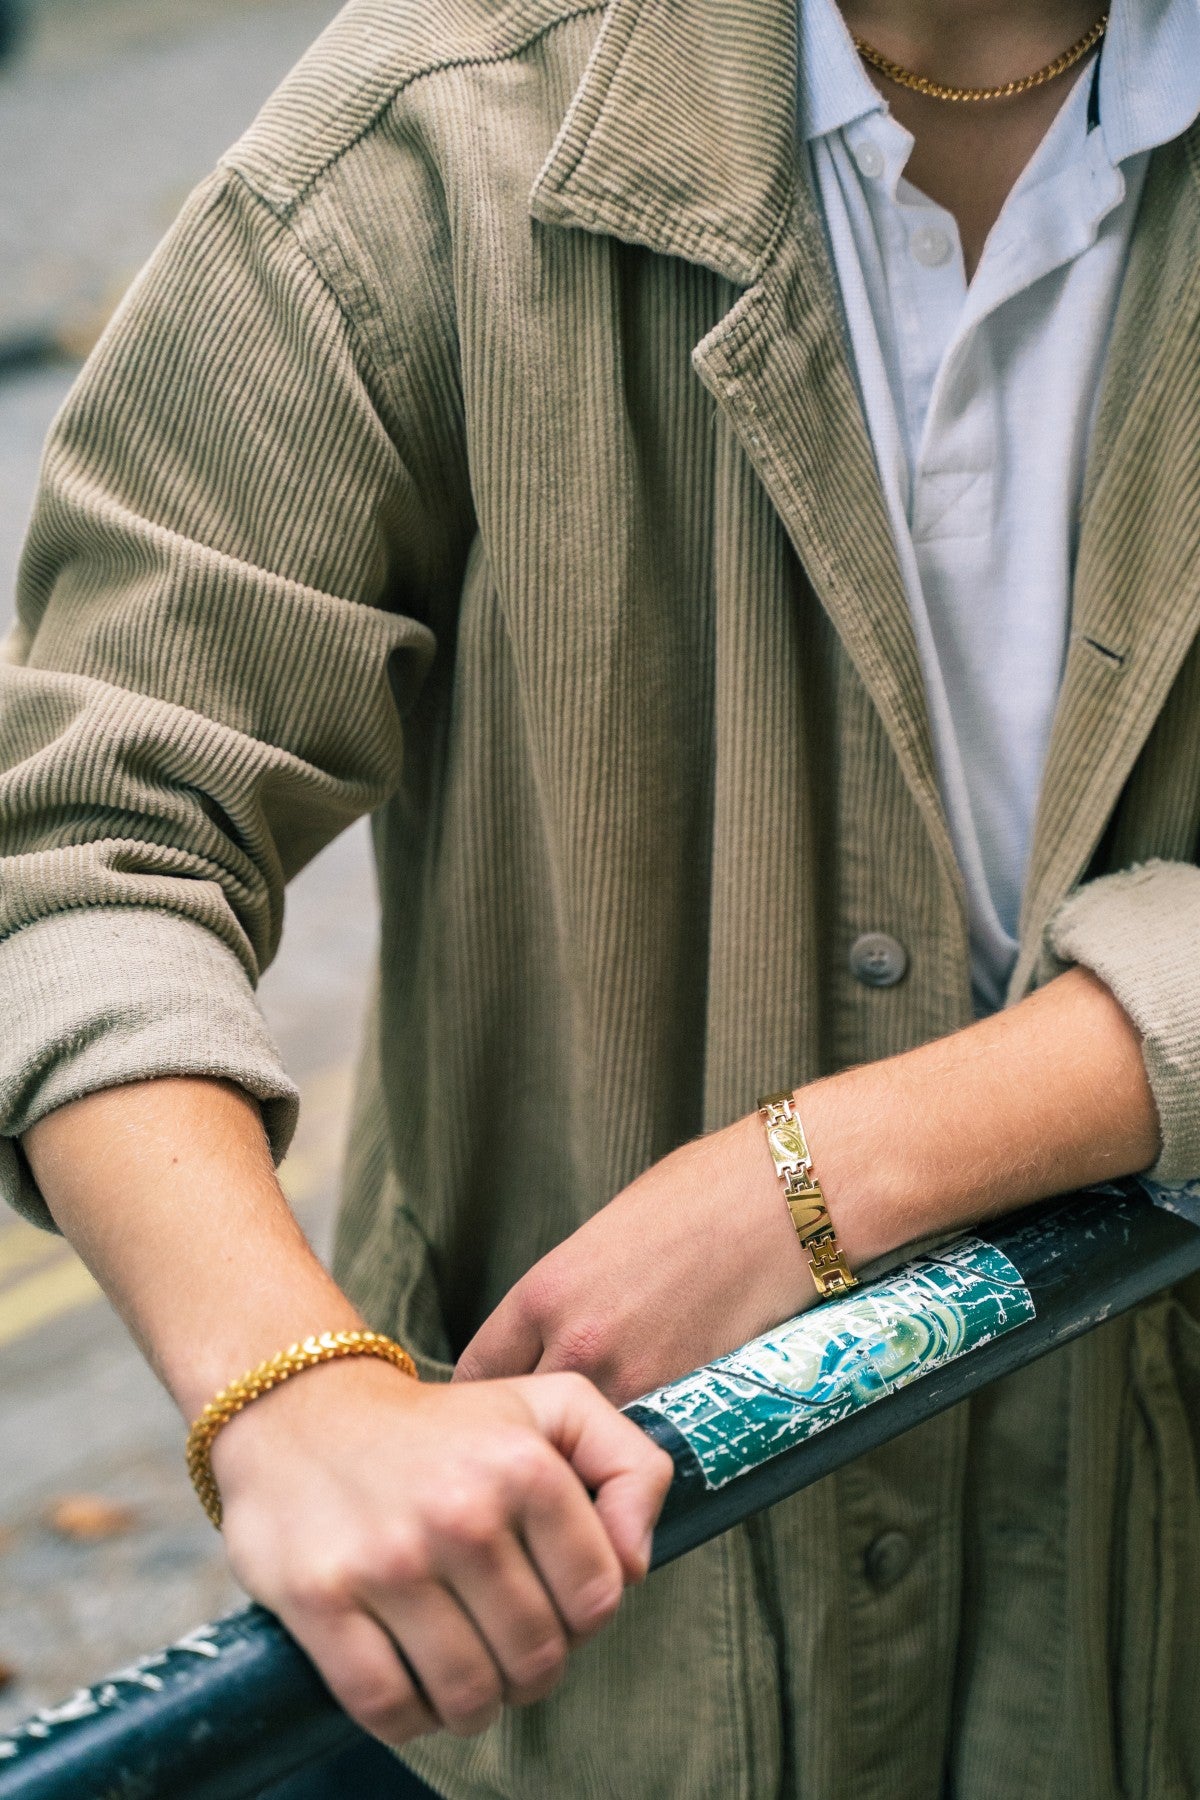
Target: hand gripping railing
[236, 1706]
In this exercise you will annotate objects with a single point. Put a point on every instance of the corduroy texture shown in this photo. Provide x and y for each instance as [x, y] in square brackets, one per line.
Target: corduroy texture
[106, 994]
[1130, 930]
[481, 450]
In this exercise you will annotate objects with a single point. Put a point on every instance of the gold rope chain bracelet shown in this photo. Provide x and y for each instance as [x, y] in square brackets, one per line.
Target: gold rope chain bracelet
[1008, 90]
[328, 1347]
[805, 1201]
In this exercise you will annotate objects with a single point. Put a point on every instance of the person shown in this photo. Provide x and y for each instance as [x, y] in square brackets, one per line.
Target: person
[731, 516]
[12, 24]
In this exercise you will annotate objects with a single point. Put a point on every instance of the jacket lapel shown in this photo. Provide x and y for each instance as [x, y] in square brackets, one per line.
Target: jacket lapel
[682, 138]
[1136, 604]
[681, 134]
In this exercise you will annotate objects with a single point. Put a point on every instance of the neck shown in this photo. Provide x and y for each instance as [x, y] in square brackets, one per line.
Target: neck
[972, 43]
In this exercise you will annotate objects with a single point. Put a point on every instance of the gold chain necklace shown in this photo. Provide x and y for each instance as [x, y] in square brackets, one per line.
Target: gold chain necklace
[934, 90]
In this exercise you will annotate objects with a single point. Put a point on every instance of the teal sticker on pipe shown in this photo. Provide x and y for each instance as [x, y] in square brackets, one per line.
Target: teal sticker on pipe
[814, 1370]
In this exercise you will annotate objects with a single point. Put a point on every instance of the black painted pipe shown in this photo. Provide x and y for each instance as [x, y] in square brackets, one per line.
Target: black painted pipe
[236, 1706]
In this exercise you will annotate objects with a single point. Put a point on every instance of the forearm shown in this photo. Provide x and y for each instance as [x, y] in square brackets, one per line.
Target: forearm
[445, 1550]
[698, 1254]
[1045, 1097]
[167, 1191]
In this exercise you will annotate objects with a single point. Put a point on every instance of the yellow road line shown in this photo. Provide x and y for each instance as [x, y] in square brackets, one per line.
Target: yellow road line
[327, 1090]
[62, 1285]
[300, 1175]
[22, 1245]
[43, 1296]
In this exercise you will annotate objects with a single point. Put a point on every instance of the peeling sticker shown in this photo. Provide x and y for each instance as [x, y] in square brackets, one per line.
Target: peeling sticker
[1182, 1198]
[817, 1369]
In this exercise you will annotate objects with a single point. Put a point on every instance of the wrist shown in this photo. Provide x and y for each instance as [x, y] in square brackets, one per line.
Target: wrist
[780, 1259]
[863, 1183]
[823, 1252]
[268, 1394]
[230, 1333]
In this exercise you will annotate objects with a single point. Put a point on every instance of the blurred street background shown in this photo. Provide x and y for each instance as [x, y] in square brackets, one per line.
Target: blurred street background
[110, 110]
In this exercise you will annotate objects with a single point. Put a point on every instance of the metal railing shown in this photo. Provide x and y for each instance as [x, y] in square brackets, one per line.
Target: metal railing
[236, 1706]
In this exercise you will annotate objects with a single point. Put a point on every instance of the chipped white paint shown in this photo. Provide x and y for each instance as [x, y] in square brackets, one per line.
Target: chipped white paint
[86, 1703]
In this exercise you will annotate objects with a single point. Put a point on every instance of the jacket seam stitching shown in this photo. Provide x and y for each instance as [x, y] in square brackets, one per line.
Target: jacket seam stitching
[698, 239]
[584, 90]
[285, 209]
[367, 365]
[162, 907]
[1149, 365]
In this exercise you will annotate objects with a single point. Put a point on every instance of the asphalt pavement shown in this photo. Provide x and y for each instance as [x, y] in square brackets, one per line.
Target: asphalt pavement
[115, 109]
[108, 117]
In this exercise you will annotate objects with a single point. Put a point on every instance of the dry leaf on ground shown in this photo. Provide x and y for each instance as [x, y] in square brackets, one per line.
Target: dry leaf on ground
[89, 1518]
[7, 1674]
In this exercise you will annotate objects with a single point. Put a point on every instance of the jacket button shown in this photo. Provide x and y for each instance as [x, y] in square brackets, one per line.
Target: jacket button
[878, 960]
[888, 1558]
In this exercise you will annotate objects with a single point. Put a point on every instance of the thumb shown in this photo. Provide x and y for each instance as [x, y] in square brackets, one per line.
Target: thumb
[627, 1473]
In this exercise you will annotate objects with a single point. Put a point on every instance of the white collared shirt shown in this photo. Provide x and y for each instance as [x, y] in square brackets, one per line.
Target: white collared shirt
[980, 398]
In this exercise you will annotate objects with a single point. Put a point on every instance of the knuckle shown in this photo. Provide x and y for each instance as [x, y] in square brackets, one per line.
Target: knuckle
[323, 1588]
[534, 1469]
[595, 1602]
[471, 1366]
[469, 1519]
[399, 1560]
[539, 1669]
[387, 1710]
[538, 1294]
[577, 1387]
[583, 1346]
[471, 1701]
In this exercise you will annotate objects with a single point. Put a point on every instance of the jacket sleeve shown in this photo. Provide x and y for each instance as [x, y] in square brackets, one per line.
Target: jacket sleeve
[1139, 931]
[221, 621]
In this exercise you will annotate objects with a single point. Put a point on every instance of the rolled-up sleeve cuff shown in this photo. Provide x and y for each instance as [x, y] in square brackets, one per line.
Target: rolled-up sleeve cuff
[106, 995]
[1139, 931]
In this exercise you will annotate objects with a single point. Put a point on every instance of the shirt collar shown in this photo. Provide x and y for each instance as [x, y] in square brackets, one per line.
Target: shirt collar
[834, 88]
[1149, 74]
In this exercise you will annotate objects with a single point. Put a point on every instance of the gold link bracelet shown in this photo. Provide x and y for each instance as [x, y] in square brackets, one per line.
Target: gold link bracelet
[806, 1203]
[328, 1347]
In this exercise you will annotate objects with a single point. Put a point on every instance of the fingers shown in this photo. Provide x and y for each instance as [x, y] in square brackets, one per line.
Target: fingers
[570, 1548]
[407, 1654]
[509, 1342]
[457, 1671]
[363, 1671]
[627, 1473]
[405, 1661]
[446, 1564]
[509, 1604]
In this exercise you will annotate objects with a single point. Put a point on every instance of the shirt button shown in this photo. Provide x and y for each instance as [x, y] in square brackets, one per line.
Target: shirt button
[930, 245]
[878, 960]
[887, 1559]
[869, 158]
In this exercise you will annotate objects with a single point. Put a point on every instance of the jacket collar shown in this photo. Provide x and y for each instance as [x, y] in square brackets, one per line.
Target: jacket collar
[1136, 605]
[681, 136]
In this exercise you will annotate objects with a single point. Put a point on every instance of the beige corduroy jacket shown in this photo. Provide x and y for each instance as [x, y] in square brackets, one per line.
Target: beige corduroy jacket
[481, 450]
